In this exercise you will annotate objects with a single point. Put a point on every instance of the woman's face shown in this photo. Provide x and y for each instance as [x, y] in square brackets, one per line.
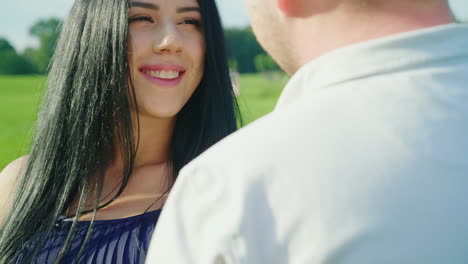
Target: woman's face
[166, 54]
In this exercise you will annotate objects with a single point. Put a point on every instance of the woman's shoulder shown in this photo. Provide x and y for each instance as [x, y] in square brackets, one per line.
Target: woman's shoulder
[12, 171]
[9, 178]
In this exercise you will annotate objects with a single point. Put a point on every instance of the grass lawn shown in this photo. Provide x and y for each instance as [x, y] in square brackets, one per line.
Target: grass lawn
[20, 98]
[258, 95]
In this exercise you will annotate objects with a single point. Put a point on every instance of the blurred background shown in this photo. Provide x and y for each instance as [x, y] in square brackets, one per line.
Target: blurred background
[29, 30]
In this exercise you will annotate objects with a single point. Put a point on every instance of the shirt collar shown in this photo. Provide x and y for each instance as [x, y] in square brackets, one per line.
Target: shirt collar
[384, 55]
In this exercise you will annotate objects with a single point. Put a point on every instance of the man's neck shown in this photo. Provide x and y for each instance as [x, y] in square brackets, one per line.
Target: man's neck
[343, 27]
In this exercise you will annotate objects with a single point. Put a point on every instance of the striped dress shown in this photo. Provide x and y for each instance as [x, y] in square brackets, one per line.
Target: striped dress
[119, 241]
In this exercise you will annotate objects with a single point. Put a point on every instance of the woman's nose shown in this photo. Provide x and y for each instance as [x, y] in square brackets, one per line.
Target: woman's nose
[168, 41]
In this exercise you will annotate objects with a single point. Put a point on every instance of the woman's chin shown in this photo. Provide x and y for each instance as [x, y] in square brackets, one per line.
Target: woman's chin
[159, 113]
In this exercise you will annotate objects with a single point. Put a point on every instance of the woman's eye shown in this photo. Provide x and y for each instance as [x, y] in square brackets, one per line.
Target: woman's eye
[194, 22]
[140, 18]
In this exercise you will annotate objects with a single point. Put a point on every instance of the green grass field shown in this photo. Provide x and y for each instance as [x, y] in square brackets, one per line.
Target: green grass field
[258, 95]
[20, 98]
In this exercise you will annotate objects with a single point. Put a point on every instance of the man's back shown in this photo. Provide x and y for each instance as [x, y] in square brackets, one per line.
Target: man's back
[364, 160]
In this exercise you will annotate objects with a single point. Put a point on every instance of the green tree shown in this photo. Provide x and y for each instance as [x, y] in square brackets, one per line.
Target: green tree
[265, 63]
[242, 47]
[233, 64]
[5, 45]
[47, 32]
[259, 63]
[11, 62]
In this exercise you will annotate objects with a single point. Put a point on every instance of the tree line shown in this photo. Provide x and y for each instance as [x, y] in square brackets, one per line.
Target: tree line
[31, 60]
[244, 52]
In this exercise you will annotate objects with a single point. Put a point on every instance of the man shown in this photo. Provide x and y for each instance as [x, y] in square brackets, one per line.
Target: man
[363, 161]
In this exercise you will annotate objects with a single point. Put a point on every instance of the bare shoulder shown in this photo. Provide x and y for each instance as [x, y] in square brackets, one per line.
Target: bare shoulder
[8, 182]
[12, 171]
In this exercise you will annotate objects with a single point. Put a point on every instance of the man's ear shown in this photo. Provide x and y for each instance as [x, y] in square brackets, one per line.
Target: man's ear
[304, 8]
[285, 6]
[292, 8]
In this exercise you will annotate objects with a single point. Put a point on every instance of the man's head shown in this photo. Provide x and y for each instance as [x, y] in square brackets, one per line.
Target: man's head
[297, 31]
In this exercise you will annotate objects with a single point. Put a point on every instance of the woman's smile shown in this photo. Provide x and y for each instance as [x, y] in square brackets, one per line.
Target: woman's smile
[166, 75]
[166, 54]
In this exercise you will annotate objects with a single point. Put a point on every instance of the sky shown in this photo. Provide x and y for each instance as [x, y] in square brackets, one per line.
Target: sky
[17, 16]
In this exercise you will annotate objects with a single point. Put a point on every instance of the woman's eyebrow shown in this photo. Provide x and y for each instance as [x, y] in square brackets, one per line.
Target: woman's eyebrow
[144, 5]
[156, 7]
[188, 9]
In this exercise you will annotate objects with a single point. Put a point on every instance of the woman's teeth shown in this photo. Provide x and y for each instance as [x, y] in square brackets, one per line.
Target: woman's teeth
[163, 74]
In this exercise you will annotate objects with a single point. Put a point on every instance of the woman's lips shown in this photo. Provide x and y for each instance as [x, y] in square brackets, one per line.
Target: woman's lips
[167, 75]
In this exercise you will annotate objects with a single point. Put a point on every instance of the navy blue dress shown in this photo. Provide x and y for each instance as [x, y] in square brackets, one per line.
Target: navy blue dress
[119, 241]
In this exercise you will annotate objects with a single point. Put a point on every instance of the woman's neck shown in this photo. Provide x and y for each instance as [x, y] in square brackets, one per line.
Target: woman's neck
[152, 138]
[150, 176]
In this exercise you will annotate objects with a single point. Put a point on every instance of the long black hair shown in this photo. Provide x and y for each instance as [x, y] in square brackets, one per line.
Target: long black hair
[87, 107]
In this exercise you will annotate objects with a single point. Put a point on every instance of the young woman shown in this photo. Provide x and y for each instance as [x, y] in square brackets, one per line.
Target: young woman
[136, 90]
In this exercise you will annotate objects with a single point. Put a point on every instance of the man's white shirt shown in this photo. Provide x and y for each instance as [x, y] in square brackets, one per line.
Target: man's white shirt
[363, 161]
